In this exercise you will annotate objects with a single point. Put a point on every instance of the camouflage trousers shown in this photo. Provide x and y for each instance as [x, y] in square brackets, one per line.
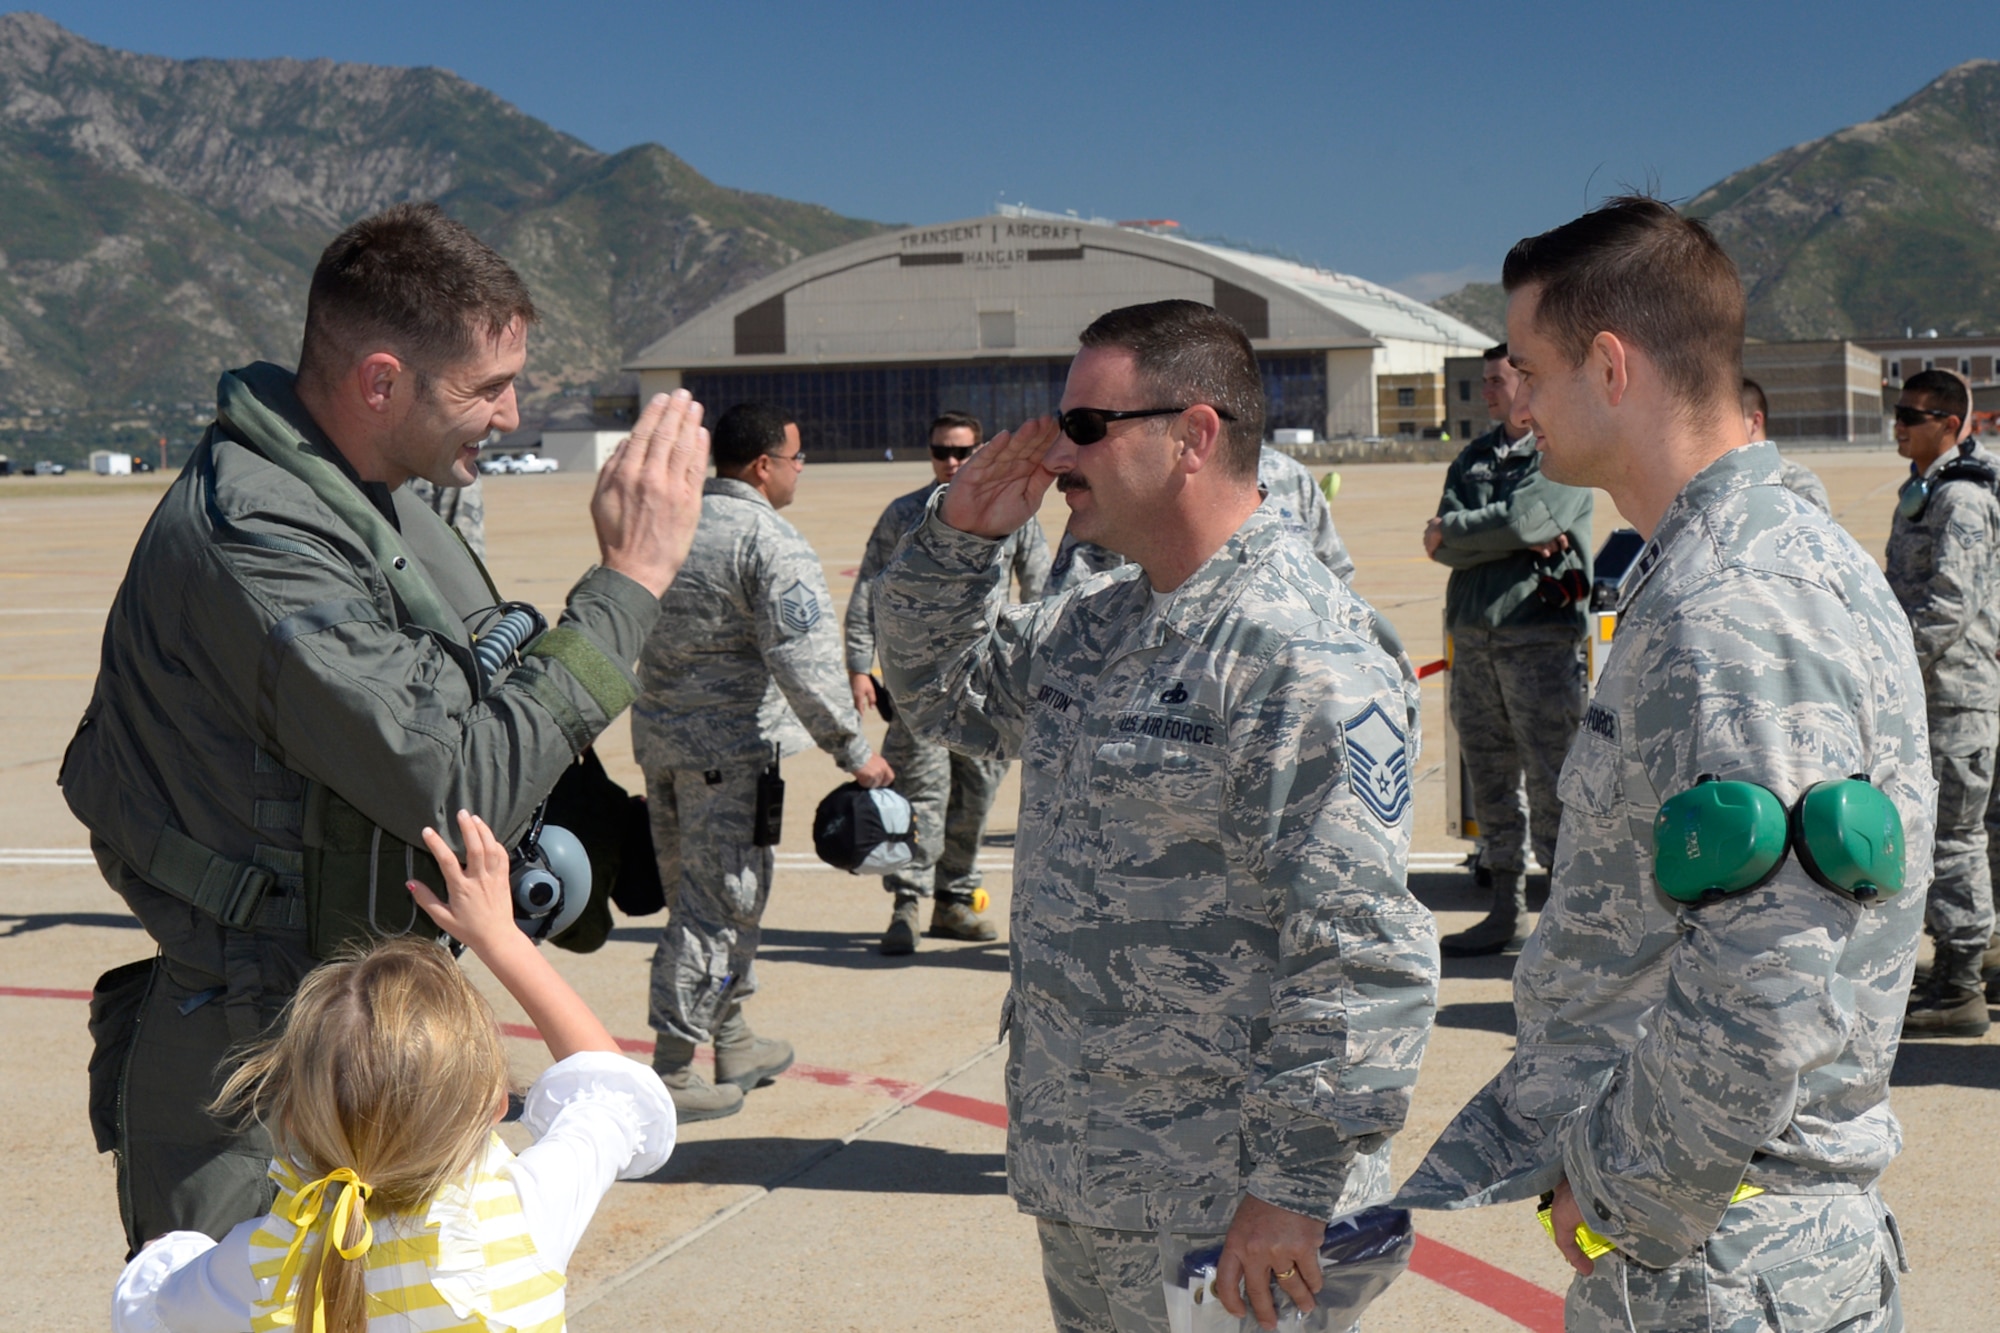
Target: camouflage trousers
[1959, 910]
[1516, 698]
[1775, 1262]
[1100, 1280]
[949, 795]
[716, 886]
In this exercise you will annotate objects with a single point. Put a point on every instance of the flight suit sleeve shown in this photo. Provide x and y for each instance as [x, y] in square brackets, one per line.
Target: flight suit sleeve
[295, 629]
[1759, 682]
[859, 626]
[1451, 505]
[1960, 586]
[1354, 990]
[795, 637]
[1031, 562]
[1537, 511]
[960, 670]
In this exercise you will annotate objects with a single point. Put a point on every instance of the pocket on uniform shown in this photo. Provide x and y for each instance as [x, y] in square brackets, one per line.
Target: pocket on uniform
[1827, 1289]
[1589, 783]
[115, 1002]
[1163, 1101]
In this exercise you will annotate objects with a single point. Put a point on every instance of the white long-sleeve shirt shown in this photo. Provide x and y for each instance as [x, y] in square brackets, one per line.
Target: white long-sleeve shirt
[596, 1117]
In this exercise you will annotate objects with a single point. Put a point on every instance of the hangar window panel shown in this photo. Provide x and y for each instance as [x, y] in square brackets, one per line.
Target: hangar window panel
[760, 330]
[1246, 307]
[1294, 392]
[864, 410]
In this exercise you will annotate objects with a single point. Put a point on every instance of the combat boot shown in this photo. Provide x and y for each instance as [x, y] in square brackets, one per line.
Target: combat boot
[901, 936]
[744, 1058]
[695, 1098]
[957, 919]
[1503, 930]
[1954, 1003]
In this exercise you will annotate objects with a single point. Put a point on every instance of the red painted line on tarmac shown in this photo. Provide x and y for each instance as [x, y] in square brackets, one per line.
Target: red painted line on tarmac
[43, 993]
[1512, 1297]
[1498, 1290]
[1432, 668]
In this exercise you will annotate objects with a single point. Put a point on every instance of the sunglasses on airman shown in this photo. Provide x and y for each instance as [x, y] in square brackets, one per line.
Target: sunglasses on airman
[1088, 425]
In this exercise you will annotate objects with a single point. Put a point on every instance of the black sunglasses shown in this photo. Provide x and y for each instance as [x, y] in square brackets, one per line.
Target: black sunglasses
[1087, 425]
[959, 451]
[1914, 416]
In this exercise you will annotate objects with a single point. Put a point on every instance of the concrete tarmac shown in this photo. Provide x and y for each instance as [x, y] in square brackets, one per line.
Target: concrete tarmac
[866, 1189]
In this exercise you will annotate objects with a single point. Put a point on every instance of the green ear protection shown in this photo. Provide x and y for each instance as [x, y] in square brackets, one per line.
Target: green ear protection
[1721, 838]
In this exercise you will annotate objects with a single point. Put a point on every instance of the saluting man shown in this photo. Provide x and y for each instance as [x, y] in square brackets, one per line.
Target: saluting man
[1221, 986]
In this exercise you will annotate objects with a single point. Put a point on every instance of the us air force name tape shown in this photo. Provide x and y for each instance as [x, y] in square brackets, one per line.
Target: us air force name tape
[1717, 839]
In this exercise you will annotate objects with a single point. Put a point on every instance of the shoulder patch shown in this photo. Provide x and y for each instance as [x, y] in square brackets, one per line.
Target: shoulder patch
[799, 605]
[1378, 763]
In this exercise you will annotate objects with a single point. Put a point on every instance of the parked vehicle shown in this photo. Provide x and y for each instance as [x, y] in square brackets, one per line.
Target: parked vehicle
[44, 468]
[494, 464]
[531, 463]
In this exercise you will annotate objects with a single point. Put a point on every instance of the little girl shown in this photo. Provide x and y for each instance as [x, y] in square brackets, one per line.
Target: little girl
[399, 1209]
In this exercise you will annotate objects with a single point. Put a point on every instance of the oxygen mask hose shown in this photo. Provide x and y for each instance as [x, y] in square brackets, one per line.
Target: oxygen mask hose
[493, 648]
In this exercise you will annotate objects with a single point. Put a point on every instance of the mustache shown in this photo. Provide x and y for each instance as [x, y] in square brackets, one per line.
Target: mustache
[1069, 481]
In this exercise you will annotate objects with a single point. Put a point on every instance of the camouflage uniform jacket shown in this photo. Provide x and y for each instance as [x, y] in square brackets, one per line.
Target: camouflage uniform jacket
[1667, 1053]
[1945, 568]
[261, 640]
[745, 649]
[1496, 504]
[1287, 486]
[463, 507]
[1220, 981]
[1025, 554]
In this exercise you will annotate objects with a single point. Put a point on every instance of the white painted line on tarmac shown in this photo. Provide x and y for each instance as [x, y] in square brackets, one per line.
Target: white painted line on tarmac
[46, 856]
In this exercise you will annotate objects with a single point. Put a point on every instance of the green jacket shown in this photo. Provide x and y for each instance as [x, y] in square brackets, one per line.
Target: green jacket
[1496, 504]
[281, 625]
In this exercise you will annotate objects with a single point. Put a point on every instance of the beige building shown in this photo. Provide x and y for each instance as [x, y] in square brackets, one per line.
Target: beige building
[1411, 405]
[869, 341]
[1464, 405]
[1828, 390]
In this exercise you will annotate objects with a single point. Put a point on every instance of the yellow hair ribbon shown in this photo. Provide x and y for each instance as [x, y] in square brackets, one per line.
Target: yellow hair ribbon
[304, 1215]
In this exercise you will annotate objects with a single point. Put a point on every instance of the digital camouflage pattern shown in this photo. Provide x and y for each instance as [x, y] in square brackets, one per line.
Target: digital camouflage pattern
[1103, 1281]
[949, 794]
[1025, 554]
[1944, 566]
[1220, 981]
[742, 667]
[462, 507]
[1299, 503]
[1803, 482]
[1666, 1054]
[1516, 696]
[717, 884]
[1496, 504]
[744, 657]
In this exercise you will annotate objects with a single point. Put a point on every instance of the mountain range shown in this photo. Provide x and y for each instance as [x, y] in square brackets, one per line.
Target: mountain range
[1888, 225]
[159, 220]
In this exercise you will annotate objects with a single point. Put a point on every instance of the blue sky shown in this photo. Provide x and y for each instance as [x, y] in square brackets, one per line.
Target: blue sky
[1410, 142]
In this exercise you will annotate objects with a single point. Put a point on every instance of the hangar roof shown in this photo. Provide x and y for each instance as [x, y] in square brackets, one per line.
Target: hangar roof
[1023, 285]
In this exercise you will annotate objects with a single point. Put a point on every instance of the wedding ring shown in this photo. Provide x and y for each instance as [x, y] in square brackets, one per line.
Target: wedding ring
[1289, 1272]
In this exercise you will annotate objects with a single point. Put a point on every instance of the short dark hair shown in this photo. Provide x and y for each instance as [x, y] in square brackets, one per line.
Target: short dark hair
[953, 419]
[1497, 352]
[745, 431]
[1636, 268]
[413, 282]
[1945, 391]
[1755, 401]
[1189, 353]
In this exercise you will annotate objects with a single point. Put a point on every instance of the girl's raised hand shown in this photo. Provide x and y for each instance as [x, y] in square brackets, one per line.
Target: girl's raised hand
[480, 911]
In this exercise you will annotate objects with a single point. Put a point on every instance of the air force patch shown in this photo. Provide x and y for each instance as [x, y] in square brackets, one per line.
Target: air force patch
[800, 607]
[1378, 763]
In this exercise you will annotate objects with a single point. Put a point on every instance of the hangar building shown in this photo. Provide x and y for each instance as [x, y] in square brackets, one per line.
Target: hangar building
[868, 342]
